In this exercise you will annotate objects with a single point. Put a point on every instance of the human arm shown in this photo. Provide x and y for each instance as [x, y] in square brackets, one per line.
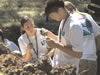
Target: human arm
[65, 49]
[51, 52]
[51, 35]
[27, 56]
[76, 40]
[54, 37]
[25, 50]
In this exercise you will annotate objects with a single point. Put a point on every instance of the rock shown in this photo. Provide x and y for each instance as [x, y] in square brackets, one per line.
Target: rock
[12, 64]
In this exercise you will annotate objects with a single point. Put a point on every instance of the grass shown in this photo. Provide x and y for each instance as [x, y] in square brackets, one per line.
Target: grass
[34, 8]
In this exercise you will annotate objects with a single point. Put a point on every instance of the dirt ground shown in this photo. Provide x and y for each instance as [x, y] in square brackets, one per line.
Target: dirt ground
[13, 64]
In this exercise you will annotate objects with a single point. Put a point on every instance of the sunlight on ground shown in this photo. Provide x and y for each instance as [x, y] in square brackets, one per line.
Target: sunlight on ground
[32, 13]
[1, 73]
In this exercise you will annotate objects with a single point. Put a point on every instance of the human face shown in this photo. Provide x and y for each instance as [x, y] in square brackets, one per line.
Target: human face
[29, 27]
[59, 15]
[55, 16]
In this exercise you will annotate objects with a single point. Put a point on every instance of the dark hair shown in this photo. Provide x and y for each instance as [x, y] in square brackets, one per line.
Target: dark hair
[53, 5]
[1, 34]
[24, 20]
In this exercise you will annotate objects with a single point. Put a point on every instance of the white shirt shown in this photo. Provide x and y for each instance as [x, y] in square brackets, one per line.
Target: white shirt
[96, 27]
[12, 46]
[89, 52]
[24, 41]
[67, 38]
[72, 34]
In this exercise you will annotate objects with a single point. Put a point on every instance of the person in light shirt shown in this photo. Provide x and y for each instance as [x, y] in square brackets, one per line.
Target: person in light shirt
[31, 42]
[9, 44]
[76, 38]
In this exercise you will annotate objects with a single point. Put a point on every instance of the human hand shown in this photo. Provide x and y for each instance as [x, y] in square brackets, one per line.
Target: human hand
[29, 46]
[51, 52]
[51, 43]
[44, 31]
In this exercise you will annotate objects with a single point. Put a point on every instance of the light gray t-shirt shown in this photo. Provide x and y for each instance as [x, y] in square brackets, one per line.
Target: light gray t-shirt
[12, 46]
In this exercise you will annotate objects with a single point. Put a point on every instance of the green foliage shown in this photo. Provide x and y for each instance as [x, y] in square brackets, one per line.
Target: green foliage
[50, 25]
